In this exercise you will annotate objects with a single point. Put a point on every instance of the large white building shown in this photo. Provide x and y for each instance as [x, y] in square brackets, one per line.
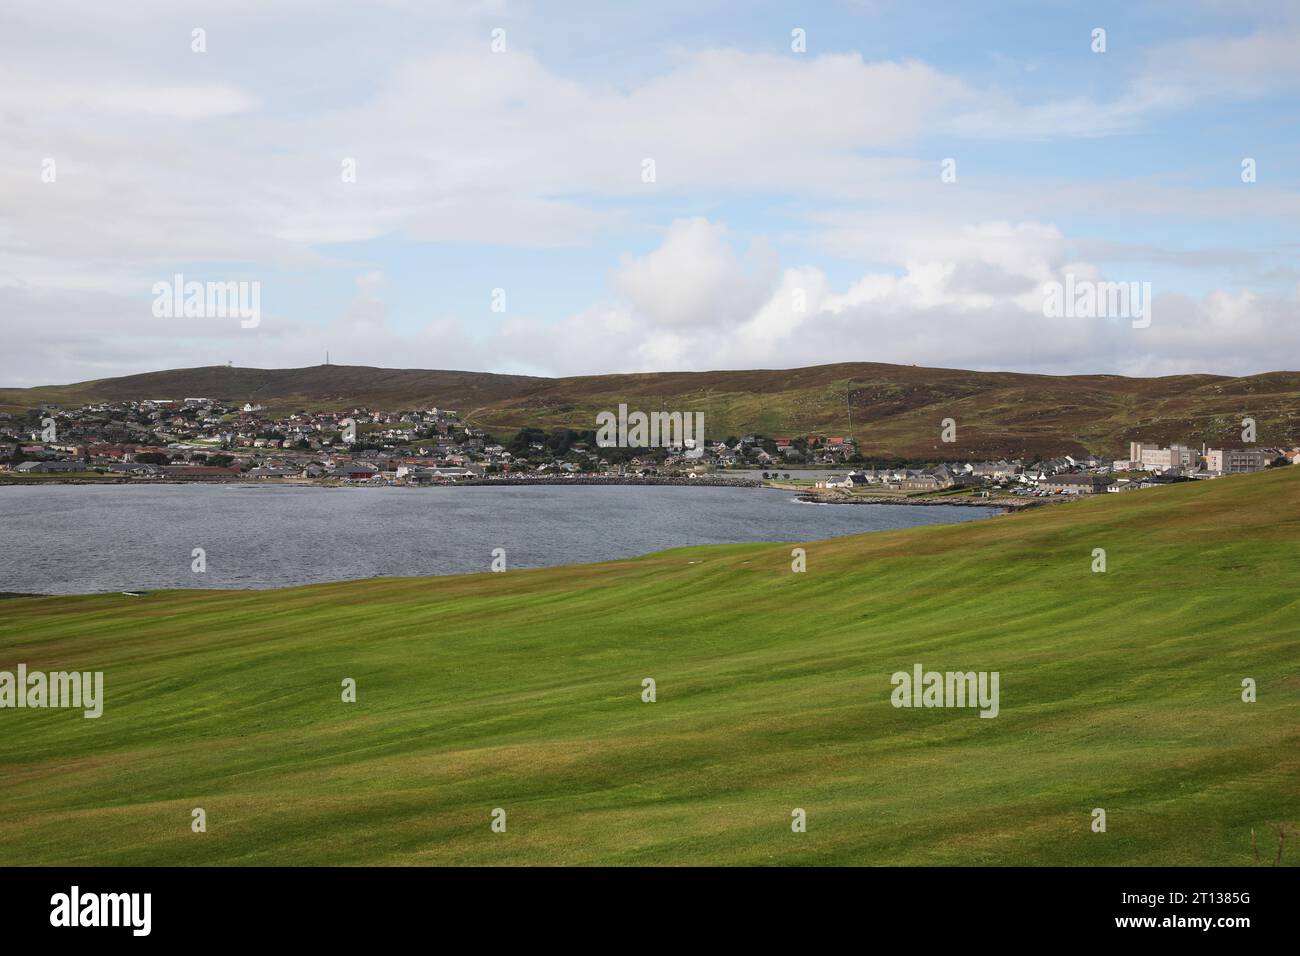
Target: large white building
[1153, 457]
[1217, 461]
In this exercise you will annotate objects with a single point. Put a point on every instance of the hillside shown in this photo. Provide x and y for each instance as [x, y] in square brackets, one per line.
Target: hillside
[321, 386]
[895, 409]
[522, 691]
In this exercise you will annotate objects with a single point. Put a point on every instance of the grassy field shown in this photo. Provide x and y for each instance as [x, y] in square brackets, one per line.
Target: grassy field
[1119, 690]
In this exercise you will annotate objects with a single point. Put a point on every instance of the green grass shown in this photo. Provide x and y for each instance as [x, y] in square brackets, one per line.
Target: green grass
[522, 690]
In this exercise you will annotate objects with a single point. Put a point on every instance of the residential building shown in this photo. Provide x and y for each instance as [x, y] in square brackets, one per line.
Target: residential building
[1074, 484]
[1236, 461]
[45, 467]
[1155, 458]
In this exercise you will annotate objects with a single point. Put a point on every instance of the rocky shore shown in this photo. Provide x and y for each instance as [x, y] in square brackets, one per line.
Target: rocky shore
[1006, 504]
[702, 482]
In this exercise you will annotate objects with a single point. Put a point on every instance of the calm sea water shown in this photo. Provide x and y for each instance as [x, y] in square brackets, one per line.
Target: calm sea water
[73, 539]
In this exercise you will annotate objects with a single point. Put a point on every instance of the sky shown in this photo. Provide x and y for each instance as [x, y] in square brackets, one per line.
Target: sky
[568, 188]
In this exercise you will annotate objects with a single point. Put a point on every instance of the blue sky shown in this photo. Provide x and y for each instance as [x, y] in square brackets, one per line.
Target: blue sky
[780, 176]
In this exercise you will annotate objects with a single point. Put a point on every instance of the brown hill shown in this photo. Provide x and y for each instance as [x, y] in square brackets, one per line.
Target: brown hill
[895, 409]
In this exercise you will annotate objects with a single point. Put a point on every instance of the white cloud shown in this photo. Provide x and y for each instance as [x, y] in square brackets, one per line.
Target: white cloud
[693, 304]
[233, 157]
[694, 279]
[974, 301]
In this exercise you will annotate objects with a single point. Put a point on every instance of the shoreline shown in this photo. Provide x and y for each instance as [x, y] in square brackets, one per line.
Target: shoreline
[802, 494]
[681, 481]
[1006, 504]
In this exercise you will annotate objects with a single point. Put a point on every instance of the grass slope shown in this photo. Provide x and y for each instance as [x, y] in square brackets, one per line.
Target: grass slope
[897, 409]
[1118, 690]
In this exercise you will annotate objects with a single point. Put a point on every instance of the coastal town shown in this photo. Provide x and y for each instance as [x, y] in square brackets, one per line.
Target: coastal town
[207, 440]
[1147, 466]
